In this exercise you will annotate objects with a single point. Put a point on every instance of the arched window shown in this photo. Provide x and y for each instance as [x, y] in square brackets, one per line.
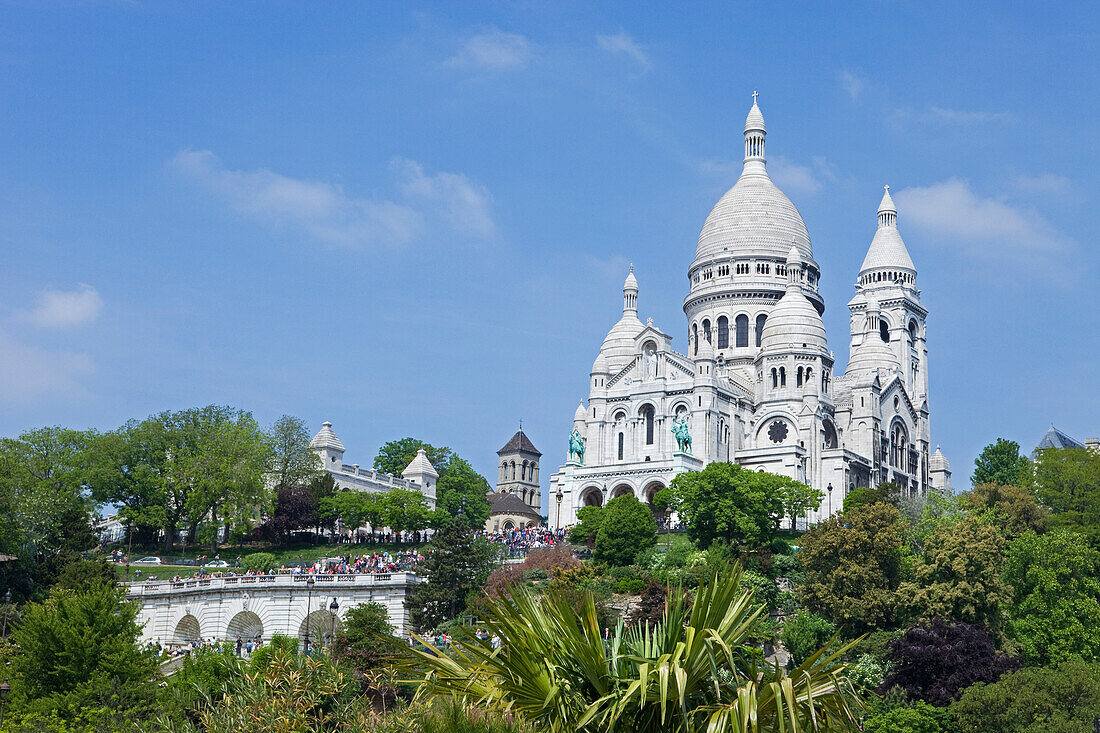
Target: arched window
[775, 378]
[798, 378]
[723, 332]
[647, 413]
[809, 376]
[523, 473]
[912, 333]
[706, 330]
[621, 439]
[742, 330]
[830, 435]
[884, 329]
[695, 337]
[513, 470]
[782, 376]
[760, 320]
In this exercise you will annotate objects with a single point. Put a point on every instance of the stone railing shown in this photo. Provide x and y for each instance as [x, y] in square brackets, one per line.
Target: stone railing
[151, 588]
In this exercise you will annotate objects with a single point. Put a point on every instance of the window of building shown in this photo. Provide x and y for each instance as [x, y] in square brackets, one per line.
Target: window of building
[798, 378]
[884, 330]
[647, 413]
[742, 324]
[775, 378]
[723, 270]
[723, 332]
[695, 338]
[760, 321]
[706, 330]
[621, 441]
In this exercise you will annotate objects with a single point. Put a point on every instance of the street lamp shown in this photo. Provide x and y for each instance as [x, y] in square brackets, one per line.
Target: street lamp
[334, 607]
[559, 497]
[5, 688]
[309, 604]
[7, 603]
[829, 488]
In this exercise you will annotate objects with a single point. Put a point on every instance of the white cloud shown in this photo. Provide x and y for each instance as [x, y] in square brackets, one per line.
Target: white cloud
[61, 308]
[28, 372]
[852, 84]
[494, 50]
[943, 116]
[622, 43]
[463, 204]
[984, 228]
[1045, 184]
[325, 212]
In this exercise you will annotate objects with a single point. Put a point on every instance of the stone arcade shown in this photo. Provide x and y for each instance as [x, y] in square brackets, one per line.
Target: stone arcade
[759, 386]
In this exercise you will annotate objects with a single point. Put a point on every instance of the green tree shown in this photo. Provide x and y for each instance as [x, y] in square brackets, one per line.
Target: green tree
[555, 669]
[626, 529]
[919, 717]
[405, 510]
[79, 650]
[226, 472]
[805, 633]
[885, 492]
[121, 472]
[958, 576]
[796, 498]
[1055, 609]
[463, 489]
[396, 455]
[725, 501]
[367, 636]
[853, 565]
[1001, 463]
[456, 565]
[585, 531]
[293, 461]
[355, 509]
[1013, 508]
[81, 575]
[1060, 699]
[1067, 481]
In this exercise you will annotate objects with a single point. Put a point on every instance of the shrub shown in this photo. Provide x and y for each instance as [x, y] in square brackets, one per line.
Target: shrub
[804, 633]
[917, 718]
[259, 561]
[626, 528]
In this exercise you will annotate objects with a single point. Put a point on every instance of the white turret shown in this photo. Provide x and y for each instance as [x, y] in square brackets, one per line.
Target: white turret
[422, 472]
[326, 445]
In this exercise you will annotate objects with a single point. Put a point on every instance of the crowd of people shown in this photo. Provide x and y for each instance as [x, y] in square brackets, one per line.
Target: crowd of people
[518, 542]
[377, 562]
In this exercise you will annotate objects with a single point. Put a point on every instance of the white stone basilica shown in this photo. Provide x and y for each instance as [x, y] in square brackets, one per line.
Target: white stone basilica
[758, 386]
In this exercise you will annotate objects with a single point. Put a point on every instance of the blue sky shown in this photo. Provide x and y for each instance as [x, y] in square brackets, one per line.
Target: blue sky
[415, 219]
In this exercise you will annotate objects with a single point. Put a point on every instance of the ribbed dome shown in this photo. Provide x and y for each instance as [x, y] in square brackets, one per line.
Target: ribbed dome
[755, 119]
[754, 218]
[600, 365]
[793, 321]
[887, 249]
[580, 415]
[618, 346]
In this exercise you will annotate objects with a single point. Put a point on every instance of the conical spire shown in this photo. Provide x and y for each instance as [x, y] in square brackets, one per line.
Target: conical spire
[887, 212]
[630, 293]
[794, 268]
[754, 137]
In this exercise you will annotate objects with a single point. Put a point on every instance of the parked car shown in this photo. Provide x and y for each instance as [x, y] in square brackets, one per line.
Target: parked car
[151, 560]
[216, 564]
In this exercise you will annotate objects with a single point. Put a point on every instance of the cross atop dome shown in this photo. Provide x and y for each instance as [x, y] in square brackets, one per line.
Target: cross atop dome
[754, 93]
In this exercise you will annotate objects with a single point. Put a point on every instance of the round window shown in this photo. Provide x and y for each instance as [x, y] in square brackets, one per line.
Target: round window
[777, 431]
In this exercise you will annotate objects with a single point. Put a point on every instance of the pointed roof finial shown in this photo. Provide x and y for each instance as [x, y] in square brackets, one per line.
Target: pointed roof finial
[521, 423]
[754, 93]
[632, 267]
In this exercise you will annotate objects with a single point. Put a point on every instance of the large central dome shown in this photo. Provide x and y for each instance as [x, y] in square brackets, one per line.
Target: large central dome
[754, 218]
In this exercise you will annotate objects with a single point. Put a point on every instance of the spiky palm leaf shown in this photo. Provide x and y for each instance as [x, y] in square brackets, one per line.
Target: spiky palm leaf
[692, 671]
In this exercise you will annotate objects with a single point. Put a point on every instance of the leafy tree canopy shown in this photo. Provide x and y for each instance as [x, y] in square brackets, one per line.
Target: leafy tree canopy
[1059, 699]
[585, 531]
[934, 662]
[1001, 463]
[627, 528]
[463, 489]
[293, 461]
[853, 565]
[884, 493]
[1013, 508]
[916, 718]
[726, 501]
[80, 649]
[366, 640]
[1055, 609]
[396, 455]
[456, 565]
[1067, 481]
[805, 633]
[958, 575]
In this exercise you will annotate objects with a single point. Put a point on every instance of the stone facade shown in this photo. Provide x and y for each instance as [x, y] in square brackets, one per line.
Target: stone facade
[419, 475]
[758, 385]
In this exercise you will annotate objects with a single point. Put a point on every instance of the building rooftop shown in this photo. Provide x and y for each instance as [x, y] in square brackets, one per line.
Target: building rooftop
[519, 443]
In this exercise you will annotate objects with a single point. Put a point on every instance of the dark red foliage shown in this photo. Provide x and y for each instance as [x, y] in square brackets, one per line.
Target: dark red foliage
[935, 662]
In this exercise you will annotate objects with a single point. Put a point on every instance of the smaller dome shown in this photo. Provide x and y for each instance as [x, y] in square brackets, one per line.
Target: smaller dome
[618, 346]
[325, 438]
[755, 119]
[887, 203]
[887, 250]
[938, 462]
[600, 365]
[580, 415]
[793, 321]
[706, 350]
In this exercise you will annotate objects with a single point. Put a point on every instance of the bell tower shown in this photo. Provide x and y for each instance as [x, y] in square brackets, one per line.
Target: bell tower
[518, 470]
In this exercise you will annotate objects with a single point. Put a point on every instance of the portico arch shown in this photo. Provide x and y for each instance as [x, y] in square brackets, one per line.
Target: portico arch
[592, 496]
[622, 490]
[245, 625]
[322, 623]
[187, 630]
